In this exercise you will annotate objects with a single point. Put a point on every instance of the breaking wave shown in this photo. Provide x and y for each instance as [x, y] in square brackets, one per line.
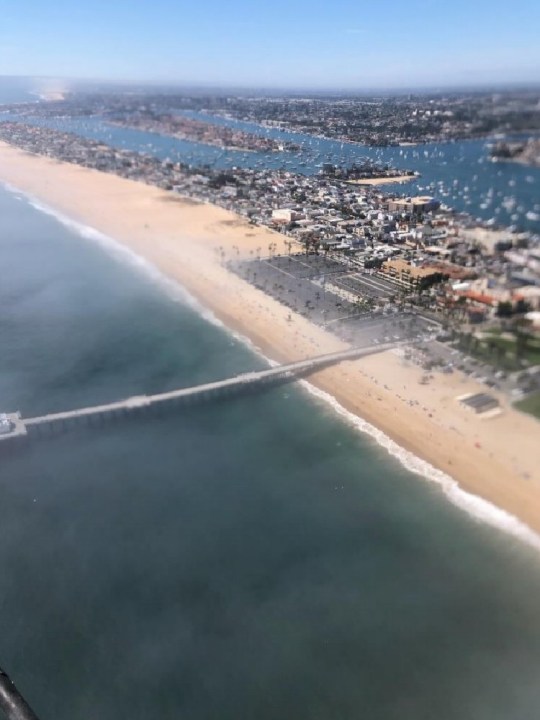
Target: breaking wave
[476, 507]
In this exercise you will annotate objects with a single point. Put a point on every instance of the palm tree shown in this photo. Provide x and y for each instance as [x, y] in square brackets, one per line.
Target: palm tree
[522, 338]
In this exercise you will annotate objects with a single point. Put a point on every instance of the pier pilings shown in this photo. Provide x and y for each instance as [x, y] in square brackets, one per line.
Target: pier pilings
[247, 383]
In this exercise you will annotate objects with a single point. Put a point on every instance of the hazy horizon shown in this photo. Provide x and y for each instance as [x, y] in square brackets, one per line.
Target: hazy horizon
[44, 84]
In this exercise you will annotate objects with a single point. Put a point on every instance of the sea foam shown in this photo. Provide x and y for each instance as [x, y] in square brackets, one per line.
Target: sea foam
[477, 508]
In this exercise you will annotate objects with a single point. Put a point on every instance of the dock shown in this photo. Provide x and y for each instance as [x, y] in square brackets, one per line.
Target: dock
[23, 427]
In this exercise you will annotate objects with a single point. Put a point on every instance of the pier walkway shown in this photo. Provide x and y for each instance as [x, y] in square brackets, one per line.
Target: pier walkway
[185, 396]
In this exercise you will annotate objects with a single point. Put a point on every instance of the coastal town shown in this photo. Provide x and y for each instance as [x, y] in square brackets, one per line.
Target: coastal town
[373, 120]
[381, 120]
[345, 253]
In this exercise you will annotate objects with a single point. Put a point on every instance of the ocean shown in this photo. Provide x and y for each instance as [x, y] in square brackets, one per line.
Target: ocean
[255, 557]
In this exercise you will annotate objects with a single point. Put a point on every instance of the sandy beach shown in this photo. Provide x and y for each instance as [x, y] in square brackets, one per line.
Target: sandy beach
[496, 459]
[383, 180]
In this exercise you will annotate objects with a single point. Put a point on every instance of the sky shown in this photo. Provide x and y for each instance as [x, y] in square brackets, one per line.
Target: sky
[315, 44]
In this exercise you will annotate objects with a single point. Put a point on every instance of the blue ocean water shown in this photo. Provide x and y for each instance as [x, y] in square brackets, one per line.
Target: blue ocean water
[256, 557]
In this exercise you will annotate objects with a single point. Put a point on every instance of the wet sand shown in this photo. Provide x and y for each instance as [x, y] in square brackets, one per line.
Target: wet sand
[495, 458]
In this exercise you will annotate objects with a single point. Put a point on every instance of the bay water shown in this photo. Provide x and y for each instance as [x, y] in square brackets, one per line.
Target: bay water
[459, 174]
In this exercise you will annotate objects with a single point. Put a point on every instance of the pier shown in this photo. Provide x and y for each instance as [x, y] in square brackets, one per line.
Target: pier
[22, 427]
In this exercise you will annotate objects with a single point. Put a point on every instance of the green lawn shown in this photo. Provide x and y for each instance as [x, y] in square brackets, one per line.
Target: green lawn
[530, 405]
[501, 351]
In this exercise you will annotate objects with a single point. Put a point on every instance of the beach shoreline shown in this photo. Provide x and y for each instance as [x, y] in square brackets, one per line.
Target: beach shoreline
[184, 240]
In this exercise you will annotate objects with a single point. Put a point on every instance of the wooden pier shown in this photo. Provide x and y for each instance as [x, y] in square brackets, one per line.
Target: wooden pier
[21, 428]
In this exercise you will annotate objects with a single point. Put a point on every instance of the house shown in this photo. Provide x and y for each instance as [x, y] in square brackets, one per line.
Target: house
[285, 215]
[413, 205]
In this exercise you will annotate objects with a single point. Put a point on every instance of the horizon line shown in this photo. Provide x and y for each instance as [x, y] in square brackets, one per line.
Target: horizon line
[292, 89]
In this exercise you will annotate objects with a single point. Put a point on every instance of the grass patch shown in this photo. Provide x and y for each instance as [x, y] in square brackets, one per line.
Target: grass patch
[530, 405]
[502, 351]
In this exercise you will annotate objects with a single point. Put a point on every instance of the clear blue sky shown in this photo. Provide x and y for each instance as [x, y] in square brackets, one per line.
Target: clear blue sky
[275, 43]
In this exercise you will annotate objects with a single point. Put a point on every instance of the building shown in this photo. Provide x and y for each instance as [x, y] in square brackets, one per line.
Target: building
[480, 403]
[530, 294]
[534, 318]
[415, 205]
[285, 216]
[409, 276]
[5, 424]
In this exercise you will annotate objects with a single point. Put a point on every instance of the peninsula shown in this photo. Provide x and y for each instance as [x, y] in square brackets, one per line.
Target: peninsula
[186, 128]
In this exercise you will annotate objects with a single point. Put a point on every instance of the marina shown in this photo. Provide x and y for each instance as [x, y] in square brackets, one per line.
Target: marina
[459, 173]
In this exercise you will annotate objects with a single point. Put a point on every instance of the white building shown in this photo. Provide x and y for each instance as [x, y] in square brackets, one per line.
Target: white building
[5, 424]
[285, 215]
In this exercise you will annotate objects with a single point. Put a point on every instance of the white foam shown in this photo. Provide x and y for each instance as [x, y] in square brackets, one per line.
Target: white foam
[122, 254]
[476, 507]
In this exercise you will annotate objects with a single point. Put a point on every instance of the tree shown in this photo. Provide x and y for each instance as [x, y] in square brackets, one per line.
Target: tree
[522, 307]
[522, 338]
[462, 305]
[504, 309]
[466, 341]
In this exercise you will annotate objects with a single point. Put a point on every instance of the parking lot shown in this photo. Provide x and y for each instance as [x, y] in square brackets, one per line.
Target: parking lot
[324, 291]
[451, 358]
[299, 287]
[366, 285]
[329, 294]
[300, 266]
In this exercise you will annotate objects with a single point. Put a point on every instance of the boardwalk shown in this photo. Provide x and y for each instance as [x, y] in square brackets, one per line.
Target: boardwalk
[290, 371]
